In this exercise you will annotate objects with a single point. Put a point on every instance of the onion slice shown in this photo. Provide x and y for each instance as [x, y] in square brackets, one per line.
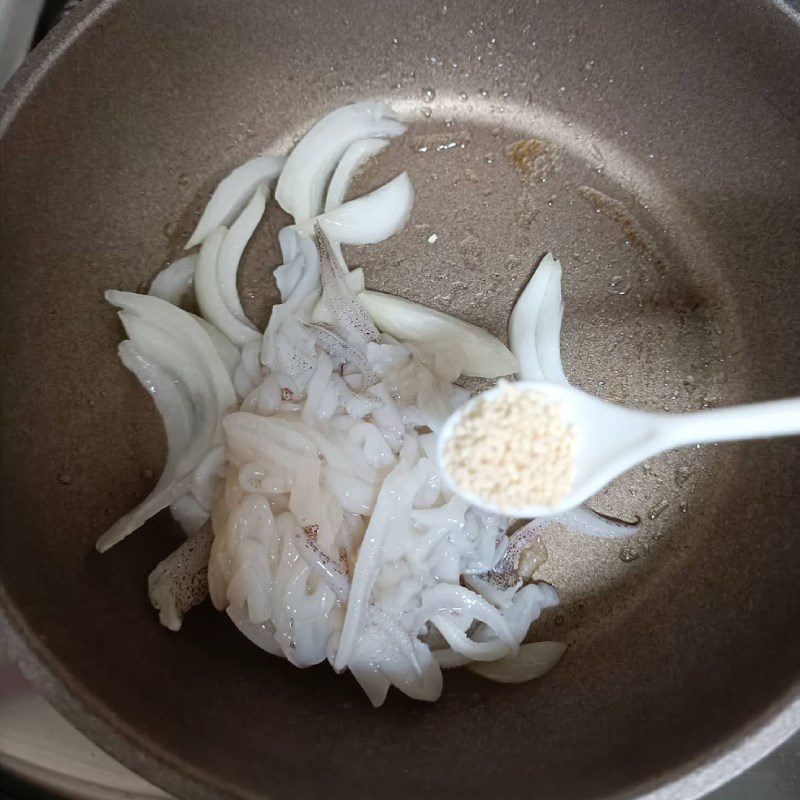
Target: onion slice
[485, 355]
[354, 157]
[534, 329]
[369, 219]
[226, 349]
[306, 171]
[209, 293]
[178, 364]
[233, 192]
[233, 245]
[531, 661]
[175, 281]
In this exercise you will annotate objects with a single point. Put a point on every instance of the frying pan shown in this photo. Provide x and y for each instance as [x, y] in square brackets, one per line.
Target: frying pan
[653, 147]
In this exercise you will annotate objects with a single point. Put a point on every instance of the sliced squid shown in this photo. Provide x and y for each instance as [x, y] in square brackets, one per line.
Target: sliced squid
[180, 581]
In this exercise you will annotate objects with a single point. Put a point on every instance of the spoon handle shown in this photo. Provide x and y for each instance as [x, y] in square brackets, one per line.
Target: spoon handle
[756, 421]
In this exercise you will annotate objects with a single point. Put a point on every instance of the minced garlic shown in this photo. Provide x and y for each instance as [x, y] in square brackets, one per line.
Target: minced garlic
[513, 450]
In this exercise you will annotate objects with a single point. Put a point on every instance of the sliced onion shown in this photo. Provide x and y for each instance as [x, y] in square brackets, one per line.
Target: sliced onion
[170, 398]
[531, 661]
[357, 154]
[226, 349]
[233, 192]
[190, 375]
[589, 522]
[485, 355]
[189, 514]
[534, 329]
[369, 219]
[209, 293]
[307, 169]
[175, 281]
[207, 474]
[233, 245]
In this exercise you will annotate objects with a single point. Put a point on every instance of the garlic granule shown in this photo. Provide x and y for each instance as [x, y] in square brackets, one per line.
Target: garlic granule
[512, 450]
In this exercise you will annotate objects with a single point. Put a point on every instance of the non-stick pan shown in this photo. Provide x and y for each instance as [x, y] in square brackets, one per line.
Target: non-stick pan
[654, 147]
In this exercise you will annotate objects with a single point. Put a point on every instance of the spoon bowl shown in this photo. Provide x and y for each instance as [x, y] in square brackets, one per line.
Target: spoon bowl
[610, 438]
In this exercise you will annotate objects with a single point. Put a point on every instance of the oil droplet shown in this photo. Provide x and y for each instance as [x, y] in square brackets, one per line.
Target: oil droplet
[628, 554]
[428, 94]
[462, 96]
[426, 112]
[64, 478]
[395, 41]
[657, 510]
[489, 158]
[683, 507]
[483, 92]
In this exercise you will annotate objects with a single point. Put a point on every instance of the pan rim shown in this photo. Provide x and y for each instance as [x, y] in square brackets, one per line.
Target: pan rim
[738, 751]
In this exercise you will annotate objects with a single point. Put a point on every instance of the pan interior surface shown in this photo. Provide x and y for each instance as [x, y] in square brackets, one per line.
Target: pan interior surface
[654, 149]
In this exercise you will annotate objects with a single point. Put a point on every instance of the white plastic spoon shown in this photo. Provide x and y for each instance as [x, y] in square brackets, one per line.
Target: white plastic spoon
[610, 439]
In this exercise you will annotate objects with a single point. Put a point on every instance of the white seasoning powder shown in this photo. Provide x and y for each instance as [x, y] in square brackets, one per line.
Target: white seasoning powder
[513, 450]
